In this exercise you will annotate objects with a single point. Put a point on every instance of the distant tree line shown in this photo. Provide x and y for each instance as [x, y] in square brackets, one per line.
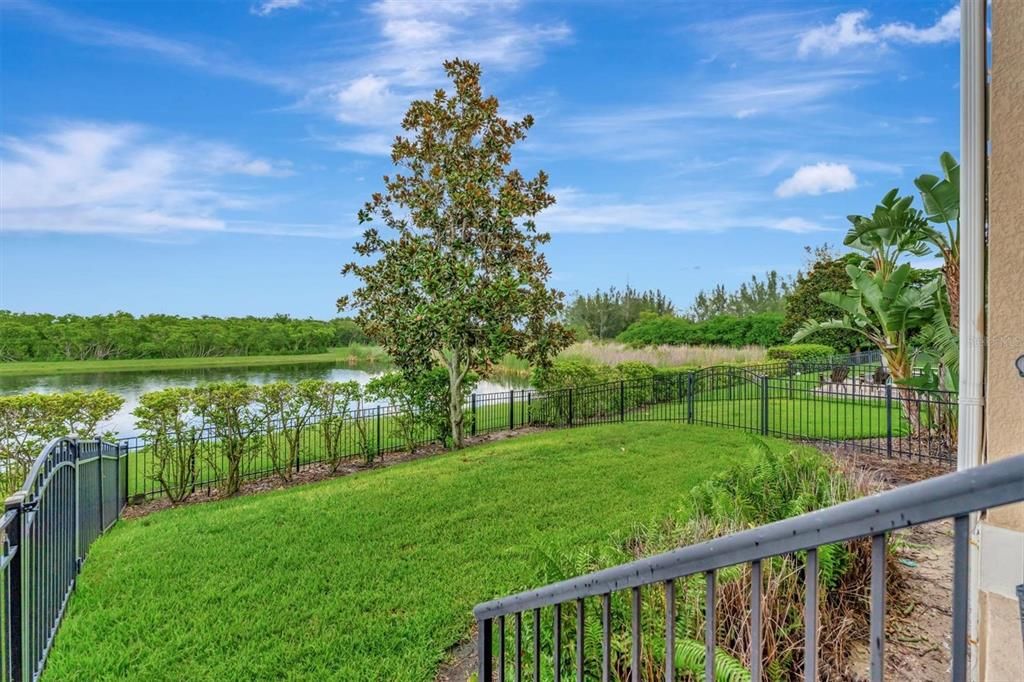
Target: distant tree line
[757, 296]
[40, 336]
[606, 314]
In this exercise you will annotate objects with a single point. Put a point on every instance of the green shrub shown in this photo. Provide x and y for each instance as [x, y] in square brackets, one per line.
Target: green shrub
[801, 351]
[762, 329]
[28, 422]
[660, 330]
[172, 433]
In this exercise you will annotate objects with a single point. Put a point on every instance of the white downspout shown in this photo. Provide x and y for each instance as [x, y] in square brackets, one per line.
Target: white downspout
[973, 139]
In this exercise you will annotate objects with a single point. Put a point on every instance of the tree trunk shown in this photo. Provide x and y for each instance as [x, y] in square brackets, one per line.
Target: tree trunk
[951, 270]
[455, 416]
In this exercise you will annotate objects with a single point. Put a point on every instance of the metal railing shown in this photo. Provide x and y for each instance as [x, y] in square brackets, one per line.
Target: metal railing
[952, 496]
[74, 492]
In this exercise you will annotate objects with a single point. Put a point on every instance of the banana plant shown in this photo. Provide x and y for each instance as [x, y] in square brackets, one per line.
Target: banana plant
[941, 198]
[894, 230]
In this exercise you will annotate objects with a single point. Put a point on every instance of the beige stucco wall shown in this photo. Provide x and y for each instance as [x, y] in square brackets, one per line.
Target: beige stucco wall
[1002, 654]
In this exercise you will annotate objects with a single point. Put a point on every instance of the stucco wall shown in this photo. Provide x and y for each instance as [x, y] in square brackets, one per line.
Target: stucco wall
[1002, 655]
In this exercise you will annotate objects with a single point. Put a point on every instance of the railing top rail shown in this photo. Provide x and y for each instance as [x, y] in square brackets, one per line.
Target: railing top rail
[947, 496]
[19, 495]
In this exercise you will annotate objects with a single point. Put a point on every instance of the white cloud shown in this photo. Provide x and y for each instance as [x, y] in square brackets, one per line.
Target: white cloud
[818, 179]
[268, 7]
[403, 61]
[850, 30]
[798, 226]
[121, 179]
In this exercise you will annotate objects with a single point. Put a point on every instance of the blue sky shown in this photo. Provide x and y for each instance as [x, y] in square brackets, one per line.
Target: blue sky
[210, 157]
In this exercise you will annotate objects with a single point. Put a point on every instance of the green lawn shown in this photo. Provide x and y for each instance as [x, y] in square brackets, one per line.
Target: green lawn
[355, 354]
[372, 576]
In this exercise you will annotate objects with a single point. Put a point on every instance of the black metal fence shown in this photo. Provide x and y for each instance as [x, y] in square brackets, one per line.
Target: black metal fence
[73, 493]
[846, 401]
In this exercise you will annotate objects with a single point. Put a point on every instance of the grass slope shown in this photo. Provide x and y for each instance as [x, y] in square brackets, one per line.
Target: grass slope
[372, 576]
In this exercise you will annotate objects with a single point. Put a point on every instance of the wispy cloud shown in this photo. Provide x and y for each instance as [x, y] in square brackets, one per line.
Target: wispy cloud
[83, 177]
[403, 60]
[851, 30]
[818, 179]
[268, 7]
[576, 211]
[96, 32]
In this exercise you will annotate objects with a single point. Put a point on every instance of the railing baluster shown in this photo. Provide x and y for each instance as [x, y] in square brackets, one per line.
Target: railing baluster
[557, 642]
[670, 630]
[484, 650]
[709, 626]
[635, 661]
[501, 649]
[961, 548]
[811, 615]
[518, 664]
[536, 644]
[755, 621]
[877, 607]
[606, 637]
[579, 640]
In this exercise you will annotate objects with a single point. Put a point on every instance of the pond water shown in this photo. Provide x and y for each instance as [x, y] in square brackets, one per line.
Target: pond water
[130, 385]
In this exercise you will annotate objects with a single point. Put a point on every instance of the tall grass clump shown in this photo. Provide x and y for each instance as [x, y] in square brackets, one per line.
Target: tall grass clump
[770, 488]
[664, 356]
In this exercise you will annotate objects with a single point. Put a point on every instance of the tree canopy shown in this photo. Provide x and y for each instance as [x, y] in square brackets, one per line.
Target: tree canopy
[455, 275]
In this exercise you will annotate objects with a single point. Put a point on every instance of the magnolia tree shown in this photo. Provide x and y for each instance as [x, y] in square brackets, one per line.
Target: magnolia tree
[455, 277]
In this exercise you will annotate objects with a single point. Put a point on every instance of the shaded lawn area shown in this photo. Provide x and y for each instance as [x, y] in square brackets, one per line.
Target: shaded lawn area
[371, 576]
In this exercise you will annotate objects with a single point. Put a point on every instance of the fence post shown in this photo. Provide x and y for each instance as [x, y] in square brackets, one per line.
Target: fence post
[99, 479]
[15, 533]
[529, 407]
[689, 397]
[888, 420]
[622, 400]
[124, 483]
[570, 406]
[378, 430]
[511, 409]
[764, 405]
[472, 406]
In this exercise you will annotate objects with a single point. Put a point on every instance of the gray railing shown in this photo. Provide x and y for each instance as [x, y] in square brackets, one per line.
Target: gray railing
[74, 492]
[955, 496]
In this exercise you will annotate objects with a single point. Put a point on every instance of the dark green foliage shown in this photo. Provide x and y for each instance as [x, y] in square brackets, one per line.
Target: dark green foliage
[451, 270]
[751, 298]
[30, 336]
[421, 401]
[826, 273]
[801, 351]
[606, 314]
[753, 330]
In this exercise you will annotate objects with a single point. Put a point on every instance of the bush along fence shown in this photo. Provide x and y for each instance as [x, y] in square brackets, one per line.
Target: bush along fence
[850, 404]
[74, 492]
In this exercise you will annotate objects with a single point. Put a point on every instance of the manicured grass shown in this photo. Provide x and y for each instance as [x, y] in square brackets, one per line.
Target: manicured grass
[354, 354]
[372, 576]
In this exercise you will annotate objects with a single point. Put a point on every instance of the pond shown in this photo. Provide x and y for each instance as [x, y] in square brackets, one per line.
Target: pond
[130, 385]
